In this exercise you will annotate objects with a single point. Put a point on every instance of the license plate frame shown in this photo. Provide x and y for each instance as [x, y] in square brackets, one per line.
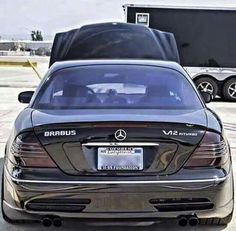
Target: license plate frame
[120, 158]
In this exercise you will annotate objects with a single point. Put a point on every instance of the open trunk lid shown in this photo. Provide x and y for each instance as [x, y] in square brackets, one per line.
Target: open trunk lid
[114, 41]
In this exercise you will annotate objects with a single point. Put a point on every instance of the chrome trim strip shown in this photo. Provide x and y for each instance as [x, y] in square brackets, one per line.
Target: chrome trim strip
[135, 144]
[158, 182]
[12, 207]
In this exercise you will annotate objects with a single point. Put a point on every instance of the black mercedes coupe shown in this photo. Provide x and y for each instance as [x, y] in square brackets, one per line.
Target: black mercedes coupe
[117, 140]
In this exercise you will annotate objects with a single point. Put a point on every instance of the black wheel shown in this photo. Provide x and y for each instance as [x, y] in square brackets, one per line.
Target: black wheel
[229, 90]
[207, 84]
[217, 221]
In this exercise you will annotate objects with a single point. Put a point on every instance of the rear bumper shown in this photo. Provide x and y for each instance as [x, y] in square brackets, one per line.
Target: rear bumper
[117, 199]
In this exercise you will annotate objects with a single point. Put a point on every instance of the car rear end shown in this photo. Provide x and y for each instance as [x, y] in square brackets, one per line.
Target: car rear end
[119, 164]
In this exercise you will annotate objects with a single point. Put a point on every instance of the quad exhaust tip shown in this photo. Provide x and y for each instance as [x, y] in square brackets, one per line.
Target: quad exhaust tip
[48, 221]
[183, 221]
[57, 222]
[188, 220]
[193, 221]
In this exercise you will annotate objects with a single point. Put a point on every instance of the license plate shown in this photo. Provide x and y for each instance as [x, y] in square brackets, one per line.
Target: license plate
[120, 158]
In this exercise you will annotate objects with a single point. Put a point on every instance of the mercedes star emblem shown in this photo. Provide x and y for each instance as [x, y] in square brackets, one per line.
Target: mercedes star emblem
[120, 135]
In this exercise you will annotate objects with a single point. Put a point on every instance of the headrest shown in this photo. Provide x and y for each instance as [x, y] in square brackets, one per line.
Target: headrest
[72, 90]
[157, 90]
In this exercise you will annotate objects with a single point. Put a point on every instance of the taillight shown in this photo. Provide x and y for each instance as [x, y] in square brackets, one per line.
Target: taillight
[212, 151]
[27, 151]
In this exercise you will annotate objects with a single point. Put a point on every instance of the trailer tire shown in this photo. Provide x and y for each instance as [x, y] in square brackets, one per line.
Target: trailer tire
[229, 90]
[208, 85]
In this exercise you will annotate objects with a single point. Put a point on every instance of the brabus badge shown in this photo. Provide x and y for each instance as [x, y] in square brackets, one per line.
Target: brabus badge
[60, 133]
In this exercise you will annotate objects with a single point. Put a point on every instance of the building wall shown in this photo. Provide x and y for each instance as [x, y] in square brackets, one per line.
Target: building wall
[29, 45]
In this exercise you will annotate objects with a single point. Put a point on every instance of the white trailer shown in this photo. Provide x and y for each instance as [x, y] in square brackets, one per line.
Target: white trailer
[206, 39]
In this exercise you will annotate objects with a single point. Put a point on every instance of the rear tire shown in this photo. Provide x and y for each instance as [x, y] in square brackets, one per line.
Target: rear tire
[207, 84]
[229, 90]
[216, 221]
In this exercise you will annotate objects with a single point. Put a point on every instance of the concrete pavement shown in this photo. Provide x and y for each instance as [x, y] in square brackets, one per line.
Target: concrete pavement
[17, 76]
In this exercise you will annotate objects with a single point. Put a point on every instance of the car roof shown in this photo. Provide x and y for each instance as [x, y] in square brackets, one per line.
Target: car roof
[159, 63]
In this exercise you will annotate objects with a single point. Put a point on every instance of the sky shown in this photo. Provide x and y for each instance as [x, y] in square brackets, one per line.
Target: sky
[19, 17]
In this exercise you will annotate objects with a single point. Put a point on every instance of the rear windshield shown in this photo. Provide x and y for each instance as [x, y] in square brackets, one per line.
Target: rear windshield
[117, 87]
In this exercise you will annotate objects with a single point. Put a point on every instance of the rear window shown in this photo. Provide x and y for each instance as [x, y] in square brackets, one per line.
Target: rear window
[117, 87]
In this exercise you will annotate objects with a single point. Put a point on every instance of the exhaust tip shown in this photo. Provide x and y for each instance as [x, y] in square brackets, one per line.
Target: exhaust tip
[57, 222]
[193, 221]
[183, 221]
[47, 222]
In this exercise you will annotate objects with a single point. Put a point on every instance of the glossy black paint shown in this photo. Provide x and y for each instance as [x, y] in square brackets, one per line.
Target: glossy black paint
[207, 97]
[85, 125]
[76, 177]
[109, 40]
[25, 96]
